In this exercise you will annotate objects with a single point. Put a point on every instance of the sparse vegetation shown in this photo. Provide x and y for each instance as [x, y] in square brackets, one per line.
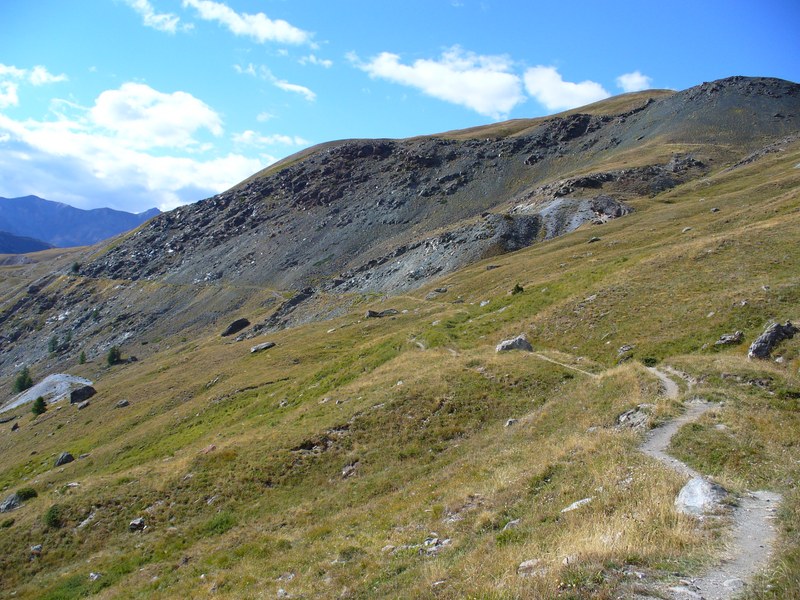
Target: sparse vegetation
[82, 358]
[114, 356]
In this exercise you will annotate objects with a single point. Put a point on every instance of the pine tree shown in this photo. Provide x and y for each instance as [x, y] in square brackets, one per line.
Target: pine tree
[39, 406]
[82, 358]
[23, 381]
[114, 356]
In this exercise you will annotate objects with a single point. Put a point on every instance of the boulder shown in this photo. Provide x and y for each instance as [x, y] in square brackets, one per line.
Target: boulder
[699, 497]
[518, 343]
[375, 314]
[236, 327]
[260, 347]
[137, 524]
[729, 339]
[774, 334]
[15, 426]
[531, 568]
[64, 458]
[10, 503]
[81, 394]
[82, 405]
[122, 404]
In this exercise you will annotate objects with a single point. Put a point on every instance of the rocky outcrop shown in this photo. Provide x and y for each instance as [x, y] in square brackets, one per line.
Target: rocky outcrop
[63, 459]
[729, 339]
[235, 327]
[10, 503]
[772, 336]
[518, 343]
[81, 394]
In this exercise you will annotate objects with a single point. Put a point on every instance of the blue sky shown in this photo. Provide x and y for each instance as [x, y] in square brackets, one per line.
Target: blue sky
[141, 103]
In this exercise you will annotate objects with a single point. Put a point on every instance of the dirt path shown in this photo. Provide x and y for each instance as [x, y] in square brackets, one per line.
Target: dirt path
[541, 356]
[753, 530]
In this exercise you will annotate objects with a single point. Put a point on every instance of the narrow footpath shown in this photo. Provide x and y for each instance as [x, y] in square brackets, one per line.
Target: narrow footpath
[753, 529]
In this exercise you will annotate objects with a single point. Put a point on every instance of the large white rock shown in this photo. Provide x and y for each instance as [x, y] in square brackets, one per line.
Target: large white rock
[699, 497]
[518, 343]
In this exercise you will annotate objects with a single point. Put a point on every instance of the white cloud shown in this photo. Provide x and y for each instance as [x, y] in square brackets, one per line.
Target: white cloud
[264, 116]
[10, 71]
[258, 26]
[146, 118]
[264, 73]
[253, 138]
[634, 82]
[8, 94]
[295, 89]
[95, 156]
[484, 84]
[40, 76]
[549, 88]
[167, 22]
[312, 59]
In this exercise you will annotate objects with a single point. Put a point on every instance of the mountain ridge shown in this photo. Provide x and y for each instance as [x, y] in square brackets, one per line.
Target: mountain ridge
[62, 225]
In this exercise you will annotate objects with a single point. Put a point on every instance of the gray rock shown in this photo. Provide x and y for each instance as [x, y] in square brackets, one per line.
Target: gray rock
[82, 405]
[10, 503]
[36, 550]
[15, 426]
[635, 418]
[518, 343]
[774, 334]
[374, 314]
[511, 422]
[122, 404]
[592, 240]
[513, 524]
[699, 497]
[235, 327]
[137, 524]
[577, 504]
[94, 576]
[81, 394]
[64, 458]
[730, 339]
[624, 349]
[531, 568]
[261, 347]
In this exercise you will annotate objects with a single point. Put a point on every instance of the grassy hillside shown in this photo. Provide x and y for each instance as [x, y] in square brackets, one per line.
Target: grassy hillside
[337, 463]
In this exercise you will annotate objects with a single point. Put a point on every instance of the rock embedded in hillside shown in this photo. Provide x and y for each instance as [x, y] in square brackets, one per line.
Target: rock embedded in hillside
[64, 458]
[624, 349]
[577, 504]
[122, 403]
[518, 343]
[636, 418]
[772, 336]
[532, 568]
[81, 394]
[235, 327]
[12, 502]
[379, 314]
[699, 497]
[728, 339]
[82, 405]
[262, 347]
[137, 524]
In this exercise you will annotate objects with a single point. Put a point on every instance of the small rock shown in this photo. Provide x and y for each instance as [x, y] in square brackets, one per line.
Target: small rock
[699, 496]
[518, 343]
[15, 426]
[577, 504]
[440, 290]
[570, 559]
[208, 449]
[730, 338]
[484, 303]
[635, 418]
[64, 458]
[490, 267]
[82, 405]
[349, 470]
[94, 576]
[387, 549]
[36, 550]
[625, 349]
[122, 404]
[12, 502]
[260, 347]
[592, 240]
[715, 210]
[137, 524]
[531, 568]
[686, 229]
[513, 524]
[282, 593]
[511, 422]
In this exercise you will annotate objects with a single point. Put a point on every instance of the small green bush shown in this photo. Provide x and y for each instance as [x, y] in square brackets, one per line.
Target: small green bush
[82, 358]
[53, 516]
[39, 406]
[518, 289]
[26, 493]
[6, 523]
[23, 381]
[114, 356]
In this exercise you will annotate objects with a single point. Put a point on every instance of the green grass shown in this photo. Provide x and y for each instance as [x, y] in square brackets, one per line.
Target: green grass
[301, 467]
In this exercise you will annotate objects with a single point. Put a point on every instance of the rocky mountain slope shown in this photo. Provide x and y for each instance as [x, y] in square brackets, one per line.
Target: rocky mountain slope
[63, 225]
[357, 434]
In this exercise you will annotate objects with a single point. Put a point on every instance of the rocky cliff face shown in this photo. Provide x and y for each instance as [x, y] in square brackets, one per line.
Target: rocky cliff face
[385, 216]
